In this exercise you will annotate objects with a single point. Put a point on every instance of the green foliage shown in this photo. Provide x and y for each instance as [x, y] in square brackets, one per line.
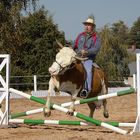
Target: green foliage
[134, 35]
[38, 49]
[8, 4]
[120, 31]
[30, 40]
[10, 35]
[113, 55]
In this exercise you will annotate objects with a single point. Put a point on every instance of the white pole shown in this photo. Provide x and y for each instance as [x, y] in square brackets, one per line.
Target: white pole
[137, 123]
[35, 83]
[138, 94]
[7, 88]
[134, 81]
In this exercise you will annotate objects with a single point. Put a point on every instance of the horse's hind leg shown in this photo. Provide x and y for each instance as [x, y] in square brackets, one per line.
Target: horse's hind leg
[92, 107]
[106, 114]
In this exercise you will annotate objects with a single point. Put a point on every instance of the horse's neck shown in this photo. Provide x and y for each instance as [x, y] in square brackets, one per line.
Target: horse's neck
[76, 70]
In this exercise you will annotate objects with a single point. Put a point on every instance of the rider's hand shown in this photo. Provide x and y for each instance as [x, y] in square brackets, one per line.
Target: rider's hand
[84, 53]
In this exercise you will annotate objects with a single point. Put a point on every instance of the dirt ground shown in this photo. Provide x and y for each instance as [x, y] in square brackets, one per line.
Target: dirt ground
[121, 109]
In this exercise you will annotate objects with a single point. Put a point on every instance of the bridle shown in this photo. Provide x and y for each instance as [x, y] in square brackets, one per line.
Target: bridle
[63, 69]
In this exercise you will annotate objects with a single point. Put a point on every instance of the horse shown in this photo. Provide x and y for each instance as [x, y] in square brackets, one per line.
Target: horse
[68, 75]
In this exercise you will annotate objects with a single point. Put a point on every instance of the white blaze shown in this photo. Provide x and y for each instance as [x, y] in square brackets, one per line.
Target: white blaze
[63, 59]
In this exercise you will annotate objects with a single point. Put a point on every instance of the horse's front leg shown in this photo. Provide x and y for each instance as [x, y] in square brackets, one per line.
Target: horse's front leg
[47, 110]
[71, 108]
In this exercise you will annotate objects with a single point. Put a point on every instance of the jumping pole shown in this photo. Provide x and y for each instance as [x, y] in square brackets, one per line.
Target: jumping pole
[65, 122]
[76, 114]
[82, 101]
[102, 97]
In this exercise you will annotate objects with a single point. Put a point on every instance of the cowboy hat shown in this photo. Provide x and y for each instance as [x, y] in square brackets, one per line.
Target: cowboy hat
[89, 21]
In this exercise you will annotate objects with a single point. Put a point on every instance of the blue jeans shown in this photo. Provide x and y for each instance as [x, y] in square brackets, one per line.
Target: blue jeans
[88, 66]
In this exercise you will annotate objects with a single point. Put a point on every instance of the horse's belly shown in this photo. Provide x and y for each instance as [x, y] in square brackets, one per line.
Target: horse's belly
[68, 87]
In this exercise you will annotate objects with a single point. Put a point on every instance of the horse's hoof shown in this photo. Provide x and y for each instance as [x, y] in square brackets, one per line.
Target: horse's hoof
[70, 113]
[47, 113]
[106, 114]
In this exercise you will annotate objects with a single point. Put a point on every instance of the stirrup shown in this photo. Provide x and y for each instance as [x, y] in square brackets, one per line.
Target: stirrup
[84, 93]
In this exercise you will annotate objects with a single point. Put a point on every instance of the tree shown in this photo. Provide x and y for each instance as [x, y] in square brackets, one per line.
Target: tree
[10, 36]
[38, 49]
[10, 20]
[120, 31]
[22, 37]
[8, 4]
[29, 40]
[113, 55]
[134, 35]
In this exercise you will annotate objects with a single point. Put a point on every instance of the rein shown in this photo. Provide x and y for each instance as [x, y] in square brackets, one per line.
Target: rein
[63, 69]
[59, 65]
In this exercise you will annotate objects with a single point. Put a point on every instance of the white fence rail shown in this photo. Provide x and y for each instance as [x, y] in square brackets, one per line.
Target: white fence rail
[33, 81]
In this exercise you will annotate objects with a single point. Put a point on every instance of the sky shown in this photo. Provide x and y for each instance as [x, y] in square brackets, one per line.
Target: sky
[69, 14]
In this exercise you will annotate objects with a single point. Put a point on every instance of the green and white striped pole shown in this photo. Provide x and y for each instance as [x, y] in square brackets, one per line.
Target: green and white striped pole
[118, 124]
[34, 111]
[27, 113]
[82, 101]
[98, 98]
[64, 122]
[91, 120]
[30, 97]
[16, 115]
[76, 114]
[53, 122]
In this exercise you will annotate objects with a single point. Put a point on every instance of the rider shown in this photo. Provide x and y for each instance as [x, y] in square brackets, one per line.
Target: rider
[88, 44]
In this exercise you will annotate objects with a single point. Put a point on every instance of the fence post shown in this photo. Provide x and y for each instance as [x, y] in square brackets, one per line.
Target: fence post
[134, 81]
[35, 83]
[4, 88]
[137, 123]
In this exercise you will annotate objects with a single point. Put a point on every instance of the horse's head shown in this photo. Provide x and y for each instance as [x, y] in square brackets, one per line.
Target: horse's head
[64, 58]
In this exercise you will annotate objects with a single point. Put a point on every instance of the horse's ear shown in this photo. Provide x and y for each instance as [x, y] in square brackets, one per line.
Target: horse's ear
[59, 44]
[68, 44]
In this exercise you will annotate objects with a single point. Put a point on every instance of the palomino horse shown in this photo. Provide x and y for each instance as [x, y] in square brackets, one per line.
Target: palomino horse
[68, 75]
